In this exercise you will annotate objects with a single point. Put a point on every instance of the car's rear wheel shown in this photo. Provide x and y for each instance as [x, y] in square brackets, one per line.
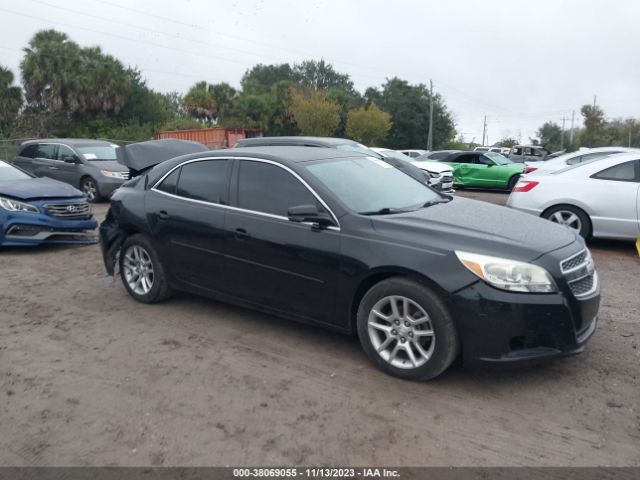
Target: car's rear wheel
[572, 217]
[141, 271]
[406, 330]
[90, 189]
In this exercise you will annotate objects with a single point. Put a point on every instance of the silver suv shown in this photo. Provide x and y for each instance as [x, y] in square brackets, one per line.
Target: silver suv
[86, 164]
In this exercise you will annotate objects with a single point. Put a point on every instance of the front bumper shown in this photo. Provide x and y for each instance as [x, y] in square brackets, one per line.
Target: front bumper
[500, 327]
[107, 185]
[24, 229]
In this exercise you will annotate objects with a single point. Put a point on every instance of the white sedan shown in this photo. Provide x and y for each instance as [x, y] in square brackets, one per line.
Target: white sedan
[599, 198]
[573, 158]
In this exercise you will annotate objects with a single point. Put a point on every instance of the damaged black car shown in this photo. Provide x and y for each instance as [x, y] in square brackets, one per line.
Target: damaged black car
[346, 241]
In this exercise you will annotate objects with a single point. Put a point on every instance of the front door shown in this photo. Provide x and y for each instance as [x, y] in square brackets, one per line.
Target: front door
[271, 261]
[187, 218]
[67, 171]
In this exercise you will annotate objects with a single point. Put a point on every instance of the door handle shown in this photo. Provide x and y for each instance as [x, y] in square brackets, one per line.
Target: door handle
[163, 215]
[53, 168]
[241, 234]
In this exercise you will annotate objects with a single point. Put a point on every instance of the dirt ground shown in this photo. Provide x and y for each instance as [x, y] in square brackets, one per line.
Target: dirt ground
[90, 377]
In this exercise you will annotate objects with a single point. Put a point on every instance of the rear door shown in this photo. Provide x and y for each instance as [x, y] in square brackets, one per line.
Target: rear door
[25, 159]
[187, 216]
[45, 163]
[274, 262]
[615, 198]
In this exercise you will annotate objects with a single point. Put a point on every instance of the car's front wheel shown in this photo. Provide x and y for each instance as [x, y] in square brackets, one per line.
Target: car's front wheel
[90, 189]
[406, 330]
[141, 271]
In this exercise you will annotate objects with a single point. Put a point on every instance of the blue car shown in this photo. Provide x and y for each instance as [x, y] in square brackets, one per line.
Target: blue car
[36, 211]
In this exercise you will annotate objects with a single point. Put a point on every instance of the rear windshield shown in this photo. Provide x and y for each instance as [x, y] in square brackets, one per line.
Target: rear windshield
[9, 173]
[98, 152]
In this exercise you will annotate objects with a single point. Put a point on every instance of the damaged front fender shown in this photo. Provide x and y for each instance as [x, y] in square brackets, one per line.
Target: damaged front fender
[111, 239]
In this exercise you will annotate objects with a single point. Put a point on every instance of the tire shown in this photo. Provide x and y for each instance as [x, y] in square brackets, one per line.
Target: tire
[512, 182]
[441, 347]
[571, 216]
[90, 189]
[138, 252]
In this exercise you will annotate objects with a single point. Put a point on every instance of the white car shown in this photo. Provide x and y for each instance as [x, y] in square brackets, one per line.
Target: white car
[573, 158]
[598, 198]
[440, 174]
[413, 153]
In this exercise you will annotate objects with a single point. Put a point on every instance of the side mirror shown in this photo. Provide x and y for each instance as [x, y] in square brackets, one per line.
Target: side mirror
[70, 159]
[309, 213]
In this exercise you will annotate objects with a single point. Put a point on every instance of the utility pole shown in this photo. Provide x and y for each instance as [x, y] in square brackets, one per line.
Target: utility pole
[484, 129]
[562, 134]
[430, 136]
[594, 101]
[573, 114]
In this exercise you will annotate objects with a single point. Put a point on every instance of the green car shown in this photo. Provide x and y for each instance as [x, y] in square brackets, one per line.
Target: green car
[483, 170]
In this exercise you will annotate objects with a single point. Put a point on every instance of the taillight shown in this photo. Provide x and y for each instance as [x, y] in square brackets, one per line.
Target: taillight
[529, 169]
[524, 186]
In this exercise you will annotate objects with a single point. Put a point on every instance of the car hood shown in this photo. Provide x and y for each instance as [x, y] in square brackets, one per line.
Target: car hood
[34, 188]
[435, 167]
[109, 165]
[474, 226]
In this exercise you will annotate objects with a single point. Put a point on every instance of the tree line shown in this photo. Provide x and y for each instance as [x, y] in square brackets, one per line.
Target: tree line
[72, 91]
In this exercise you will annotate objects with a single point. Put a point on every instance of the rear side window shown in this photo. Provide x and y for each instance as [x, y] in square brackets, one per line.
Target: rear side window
[625, 172]
[267, 188]
[205, 180]
[170, 183]
[46, 150]
[29, 151]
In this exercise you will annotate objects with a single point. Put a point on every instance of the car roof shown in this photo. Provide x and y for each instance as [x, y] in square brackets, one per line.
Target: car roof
[283, 153]
[309, 141]
[73, 142]
[592, 166]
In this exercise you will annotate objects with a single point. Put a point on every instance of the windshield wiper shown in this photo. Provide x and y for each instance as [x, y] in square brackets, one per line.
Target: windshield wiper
[385, 211]
[434, 202]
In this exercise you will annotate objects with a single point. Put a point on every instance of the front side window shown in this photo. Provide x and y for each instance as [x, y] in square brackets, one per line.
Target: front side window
[64, 152]
[204, 180]
[625, 172]
[367, 185]
[497, 158]
[267, 188]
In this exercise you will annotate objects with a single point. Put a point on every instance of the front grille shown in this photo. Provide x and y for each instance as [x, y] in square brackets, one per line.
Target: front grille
[574, 261]
[446, 179]
[580, 274]
[582, 286]
[69, 211]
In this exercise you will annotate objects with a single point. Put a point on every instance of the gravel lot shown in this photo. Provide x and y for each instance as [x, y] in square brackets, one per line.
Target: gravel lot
[90, 377]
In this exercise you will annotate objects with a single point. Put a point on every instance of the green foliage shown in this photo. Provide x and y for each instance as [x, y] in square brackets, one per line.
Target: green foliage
[551, 137]
[507, 142]
[593, 134]
[199, 103]
[10, 101]
[319, 75]
[409, 109]
[369, 126]
[314, 114]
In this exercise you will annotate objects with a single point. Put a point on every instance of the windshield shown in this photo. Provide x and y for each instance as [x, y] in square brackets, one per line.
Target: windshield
[98, 152]
[354, 147]
[9, 173]
[367, 185]
[498, 158]
[395, 154]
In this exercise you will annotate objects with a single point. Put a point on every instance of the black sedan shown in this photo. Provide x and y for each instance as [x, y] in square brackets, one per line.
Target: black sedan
[346, 241]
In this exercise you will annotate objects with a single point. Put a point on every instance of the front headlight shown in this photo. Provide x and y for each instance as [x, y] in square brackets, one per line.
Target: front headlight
[119, 175]
[16, 206]
[508, 274]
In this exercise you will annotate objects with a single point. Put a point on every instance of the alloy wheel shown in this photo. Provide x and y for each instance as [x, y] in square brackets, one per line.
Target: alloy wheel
[568, 218]
[401, 332]
[138, 270]
[90, 189]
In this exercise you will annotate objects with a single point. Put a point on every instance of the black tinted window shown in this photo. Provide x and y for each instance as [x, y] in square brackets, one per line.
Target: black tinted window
[267, 188]
[206, 180]
[46, 150]
[623, 172]
[29, 151]
[170, 182]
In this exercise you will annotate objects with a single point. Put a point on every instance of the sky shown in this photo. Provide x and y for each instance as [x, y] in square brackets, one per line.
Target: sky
[518, 62]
